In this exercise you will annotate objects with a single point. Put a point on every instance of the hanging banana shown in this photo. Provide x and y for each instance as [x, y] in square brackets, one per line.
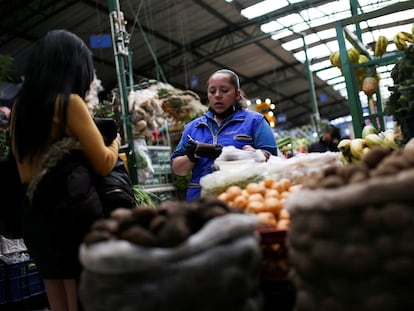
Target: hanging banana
[335, 59]
[400, 44]
[381, 46]
[401, 38]
[353, 55]
[405, 36]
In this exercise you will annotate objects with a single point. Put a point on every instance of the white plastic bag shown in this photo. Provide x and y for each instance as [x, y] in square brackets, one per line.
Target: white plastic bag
[10, 246]
[231, 153]
[144, 162]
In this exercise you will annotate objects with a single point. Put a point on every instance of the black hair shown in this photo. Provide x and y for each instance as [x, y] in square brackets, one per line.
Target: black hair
[334, 131]
[234, 79]
[60, 64]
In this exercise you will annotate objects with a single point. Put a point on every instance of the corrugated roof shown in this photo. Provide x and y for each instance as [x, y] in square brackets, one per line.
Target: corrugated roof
[187, 38]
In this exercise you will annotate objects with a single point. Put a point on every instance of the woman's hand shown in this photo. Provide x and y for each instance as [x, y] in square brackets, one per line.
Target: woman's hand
[118, 139]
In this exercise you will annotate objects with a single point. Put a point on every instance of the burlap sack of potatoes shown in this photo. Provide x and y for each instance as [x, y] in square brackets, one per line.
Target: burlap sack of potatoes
[215, 269]
[351, 248]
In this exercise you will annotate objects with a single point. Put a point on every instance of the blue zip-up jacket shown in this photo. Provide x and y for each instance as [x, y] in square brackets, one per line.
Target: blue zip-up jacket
[244, 127]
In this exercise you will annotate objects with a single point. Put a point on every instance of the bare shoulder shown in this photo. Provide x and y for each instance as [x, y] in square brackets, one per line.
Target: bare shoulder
[75, 98]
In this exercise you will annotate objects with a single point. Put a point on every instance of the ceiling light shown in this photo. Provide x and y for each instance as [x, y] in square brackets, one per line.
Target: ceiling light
[271, 27]
[321, 65]
[336, 80]
[263, 8]
[281, 34]
[293, 44]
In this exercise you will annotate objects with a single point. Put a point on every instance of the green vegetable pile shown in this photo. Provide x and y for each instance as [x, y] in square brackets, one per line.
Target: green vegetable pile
[401, 101]
[143, 197]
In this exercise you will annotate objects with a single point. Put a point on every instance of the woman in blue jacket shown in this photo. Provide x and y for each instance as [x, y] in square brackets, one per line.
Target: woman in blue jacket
[225, 123]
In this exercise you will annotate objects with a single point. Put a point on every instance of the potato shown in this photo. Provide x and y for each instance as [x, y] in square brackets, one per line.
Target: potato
[285, 184]
[268, 182]
[255, 197]
[332, 181]
[96, 236]
[271, 193]
[256, 188]
[255, 207]
[283, 224]
[110, 225]
[224, 196]
[284, 214]
[140, 236]
[240, 201]
[273, 205]
[121, 213]
[233, 191]
[267, 218]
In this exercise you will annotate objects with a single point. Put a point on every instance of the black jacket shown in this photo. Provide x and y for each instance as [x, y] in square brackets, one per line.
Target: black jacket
[62, 205]
[323, 146]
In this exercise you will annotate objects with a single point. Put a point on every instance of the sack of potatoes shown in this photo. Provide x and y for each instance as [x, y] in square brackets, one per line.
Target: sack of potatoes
[179, 256]
[350, 237]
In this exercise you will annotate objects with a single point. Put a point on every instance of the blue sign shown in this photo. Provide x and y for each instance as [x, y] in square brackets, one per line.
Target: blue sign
[194, 82]
[281, 117]
[323, 98]
[100, 41]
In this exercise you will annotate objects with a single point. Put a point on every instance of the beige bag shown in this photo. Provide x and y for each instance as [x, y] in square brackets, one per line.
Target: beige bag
[352, 248]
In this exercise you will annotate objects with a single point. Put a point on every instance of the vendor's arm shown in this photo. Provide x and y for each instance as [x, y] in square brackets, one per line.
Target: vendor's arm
[181, 164]
[81, 126]
[264, 139]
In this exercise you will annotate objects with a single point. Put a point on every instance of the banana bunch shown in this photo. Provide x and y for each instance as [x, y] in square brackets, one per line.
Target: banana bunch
[360, 72]
[353, 57]
[381, 46]
[335, 59]
[401, 39]
[352, 150]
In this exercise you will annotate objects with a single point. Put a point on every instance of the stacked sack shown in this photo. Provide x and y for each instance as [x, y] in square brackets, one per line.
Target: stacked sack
[176, 257]
[350, 238]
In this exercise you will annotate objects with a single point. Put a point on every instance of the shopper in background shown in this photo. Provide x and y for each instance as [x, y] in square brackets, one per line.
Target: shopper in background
[328, 141]
[225, 123]
[49, 107]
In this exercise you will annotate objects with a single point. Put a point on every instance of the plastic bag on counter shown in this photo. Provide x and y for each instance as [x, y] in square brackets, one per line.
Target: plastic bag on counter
[301, 165]
[243, 172]
[233, 167]
[231, 153]
[232, 173]
[216, 268]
